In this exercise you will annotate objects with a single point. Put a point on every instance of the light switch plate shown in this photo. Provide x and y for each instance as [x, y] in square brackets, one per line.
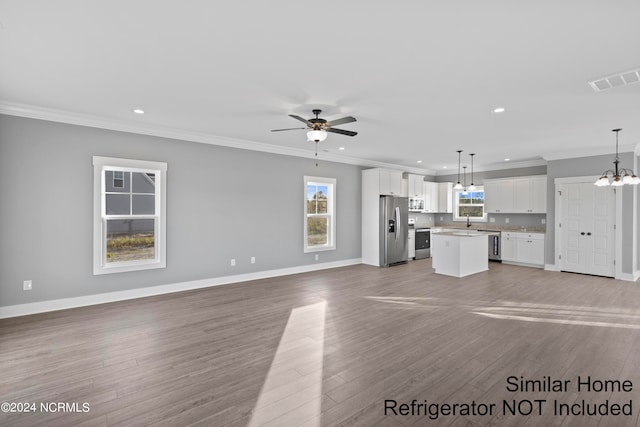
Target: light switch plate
[27, 285]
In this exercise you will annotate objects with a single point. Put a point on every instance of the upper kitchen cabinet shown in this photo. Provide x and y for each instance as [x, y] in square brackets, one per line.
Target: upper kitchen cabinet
[530, 195]
[516, 195]
[445, 197]
[498, 195]
[390, 181]
[431, 197]
[416, 185]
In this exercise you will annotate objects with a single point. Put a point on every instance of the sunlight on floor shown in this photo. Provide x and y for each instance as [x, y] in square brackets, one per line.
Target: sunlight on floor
[611, 317]
[292, 391]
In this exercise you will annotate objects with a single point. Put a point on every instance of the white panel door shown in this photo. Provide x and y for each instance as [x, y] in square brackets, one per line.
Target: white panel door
[587, 233]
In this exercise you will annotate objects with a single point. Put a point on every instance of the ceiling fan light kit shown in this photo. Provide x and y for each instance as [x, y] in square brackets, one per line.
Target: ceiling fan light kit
[618, 176]
[317, 135]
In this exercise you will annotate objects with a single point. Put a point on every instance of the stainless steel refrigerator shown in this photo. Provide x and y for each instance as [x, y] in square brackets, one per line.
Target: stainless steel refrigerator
[394, 230]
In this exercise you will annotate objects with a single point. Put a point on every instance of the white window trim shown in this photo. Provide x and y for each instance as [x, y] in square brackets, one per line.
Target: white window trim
[457, 218]
[100, 164]
[331, 210]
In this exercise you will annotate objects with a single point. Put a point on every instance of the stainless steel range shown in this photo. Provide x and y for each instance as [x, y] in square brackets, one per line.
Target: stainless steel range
[423, 243]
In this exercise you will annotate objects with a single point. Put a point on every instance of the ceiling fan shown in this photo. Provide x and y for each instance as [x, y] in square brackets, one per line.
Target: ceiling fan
[318, 127]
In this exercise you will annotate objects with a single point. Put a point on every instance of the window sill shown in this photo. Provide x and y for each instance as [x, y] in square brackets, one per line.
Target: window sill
[125, 267]
[319, 249]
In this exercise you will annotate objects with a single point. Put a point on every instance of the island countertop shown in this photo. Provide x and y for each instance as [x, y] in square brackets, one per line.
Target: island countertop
[465, 233]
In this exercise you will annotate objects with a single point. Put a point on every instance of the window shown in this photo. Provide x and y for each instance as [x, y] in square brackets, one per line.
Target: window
[118, 179]
[469, 203]
[320, 214]
[129, 215]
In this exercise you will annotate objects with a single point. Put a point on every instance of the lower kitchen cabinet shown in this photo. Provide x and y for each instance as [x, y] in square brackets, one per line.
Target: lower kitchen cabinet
[523, 248]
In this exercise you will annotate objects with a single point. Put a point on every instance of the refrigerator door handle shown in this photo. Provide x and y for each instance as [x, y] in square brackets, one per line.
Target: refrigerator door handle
[397, 220]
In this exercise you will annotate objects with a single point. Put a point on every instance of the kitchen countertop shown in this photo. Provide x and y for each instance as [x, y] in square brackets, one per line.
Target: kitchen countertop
[492, 227]
[464, 233]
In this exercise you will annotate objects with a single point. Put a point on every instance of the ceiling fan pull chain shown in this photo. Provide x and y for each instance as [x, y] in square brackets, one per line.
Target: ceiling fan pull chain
[316, 153]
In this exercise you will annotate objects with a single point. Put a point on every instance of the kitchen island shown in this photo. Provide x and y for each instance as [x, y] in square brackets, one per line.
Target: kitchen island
[460, 253]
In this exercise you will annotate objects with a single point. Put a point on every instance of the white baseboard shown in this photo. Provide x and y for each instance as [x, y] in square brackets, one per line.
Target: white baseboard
[552, 267]
[65, 303]
[629, 277]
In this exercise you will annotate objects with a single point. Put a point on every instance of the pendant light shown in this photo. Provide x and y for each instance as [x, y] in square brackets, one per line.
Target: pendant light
[472, 187]
[464, 185]
[618, 176]
[458, 186]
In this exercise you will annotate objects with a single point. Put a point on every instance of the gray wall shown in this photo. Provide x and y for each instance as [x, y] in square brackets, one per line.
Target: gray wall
[587, 166]
[222, 203]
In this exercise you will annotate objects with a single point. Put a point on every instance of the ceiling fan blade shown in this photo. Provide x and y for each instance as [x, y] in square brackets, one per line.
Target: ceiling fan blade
[343, 120]
[278, 130]
[342, 131]
[305, 121]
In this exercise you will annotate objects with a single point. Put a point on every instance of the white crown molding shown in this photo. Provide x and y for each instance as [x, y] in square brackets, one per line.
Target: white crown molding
[599, 151]
[54, 115]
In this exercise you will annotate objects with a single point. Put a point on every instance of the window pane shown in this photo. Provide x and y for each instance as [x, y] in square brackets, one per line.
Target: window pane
[143, 183]
[130, 240]
[311, 199]
[117, 204]
[321, 198]
[317, 198]
[317, 231]
[116, 181]
[472, 211]
[143, 204]
[464, 199]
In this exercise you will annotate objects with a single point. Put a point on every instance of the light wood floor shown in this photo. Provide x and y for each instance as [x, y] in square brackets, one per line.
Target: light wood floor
[327, 348]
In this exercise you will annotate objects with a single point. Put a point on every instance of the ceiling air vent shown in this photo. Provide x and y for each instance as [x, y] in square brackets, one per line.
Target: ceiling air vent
[615, 80]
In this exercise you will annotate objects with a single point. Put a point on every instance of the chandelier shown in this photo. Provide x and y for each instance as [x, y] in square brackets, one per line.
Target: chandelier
[618, 176]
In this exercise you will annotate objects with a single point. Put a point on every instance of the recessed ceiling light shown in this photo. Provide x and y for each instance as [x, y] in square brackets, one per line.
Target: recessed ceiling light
[444, 167]
[138, 111]
[498, 110]
[419, 161]
[506, 160]
[341, 148]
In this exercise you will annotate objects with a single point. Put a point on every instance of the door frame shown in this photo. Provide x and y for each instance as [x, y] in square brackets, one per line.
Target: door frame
[617, 221]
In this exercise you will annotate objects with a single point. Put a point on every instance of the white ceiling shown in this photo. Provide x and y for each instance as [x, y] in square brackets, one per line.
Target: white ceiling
[421, 77]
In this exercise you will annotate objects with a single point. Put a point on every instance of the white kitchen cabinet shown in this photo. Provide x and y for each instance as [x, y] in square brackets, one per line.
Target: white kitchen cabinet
[405, 188]
[498, 196]
[523, 248]
[530, 195]
[416, 185]
[530, 248]
[508, 247]
[516, 195]
[390, 182]
[411, 242]
[431, 196]
[445, 197]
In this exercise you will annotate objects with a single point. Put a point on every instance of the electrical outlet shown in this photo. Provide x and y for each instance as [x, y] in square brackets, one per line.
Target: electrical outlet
[506, 220]
[544, 221]
[317, 257]
[27, 285]
[253, 260]
[492, 220]
[441, 218]
[233, 262]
